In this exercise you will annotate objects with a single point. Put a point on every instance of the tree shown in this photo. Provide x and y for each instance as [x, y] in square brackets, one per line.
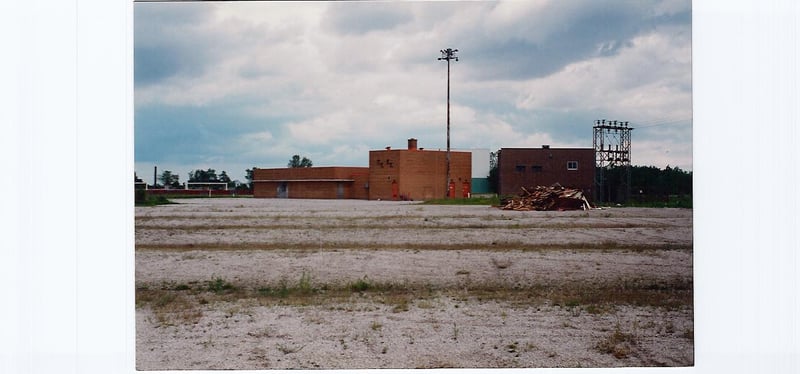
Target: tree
[647, 182]
[296, 162]
[198, 175]
[223, 177]
[494, 171]
[248, 174]
[169, 179]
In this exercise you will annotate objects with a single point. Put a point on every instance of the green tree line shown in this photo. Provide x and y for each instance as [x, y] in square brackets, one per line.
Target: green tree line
[652, 181]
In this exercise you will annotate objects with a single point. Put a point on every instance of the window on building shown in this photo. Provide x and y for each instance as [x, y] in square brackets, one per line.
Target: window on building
[536, 168]
[520, 168]
[572, 165]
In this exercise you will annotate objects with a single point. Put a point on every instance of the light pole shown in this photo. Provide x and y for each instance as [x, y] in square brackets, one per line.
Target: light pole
[448, 54]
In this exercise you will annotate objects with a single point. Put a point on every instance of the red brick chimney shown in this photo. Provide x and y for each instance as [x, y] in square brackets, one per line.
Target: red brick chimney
[412, 144]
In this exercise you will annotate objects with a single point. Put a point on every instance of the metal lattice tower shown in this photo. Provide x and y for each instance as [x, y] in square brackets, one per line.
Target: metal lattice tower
[612, 148]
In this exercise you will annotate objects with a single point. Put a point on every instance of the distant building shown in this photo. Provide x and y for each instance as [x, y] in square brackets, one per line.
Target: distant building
[311, 183]
[393, 174]
[418, 174]
[545, 166]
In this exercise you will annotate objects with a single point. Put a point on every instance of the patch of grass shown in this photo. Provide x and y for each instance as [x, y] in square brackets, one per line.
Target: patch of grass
[301, 290]
[152, 200]
[304, 285]
[281, 291]
[599, 309]
[181, 287]
[315, 246]
[164, 300]
[169, 307]
[619, 344]
[400, 301]
[172, 303]
[360, 285]
[196, 223]
[220, 286]
[375, 325]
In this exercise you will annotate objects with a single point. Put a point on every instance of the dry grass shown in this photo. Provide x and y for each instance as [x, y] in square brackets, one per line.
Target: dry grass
[170, 307]
[426, 224]
[181, 303]
[619, 344]
[316, 246]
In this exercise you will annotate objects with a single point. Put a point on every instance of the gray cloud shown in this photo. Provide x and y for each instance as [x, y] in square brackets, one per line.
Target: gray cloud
[559, 34]
[178, 39]
[360, 18]
[253, 83]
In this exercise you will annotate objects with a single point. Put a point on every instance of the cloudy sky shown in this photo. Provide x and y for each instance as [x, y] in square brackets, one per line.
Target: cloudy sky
[232, 85]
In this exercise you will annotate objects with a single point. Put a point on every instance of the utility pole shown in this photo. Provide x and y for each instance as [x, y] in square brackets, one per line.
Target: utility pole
[448, 54]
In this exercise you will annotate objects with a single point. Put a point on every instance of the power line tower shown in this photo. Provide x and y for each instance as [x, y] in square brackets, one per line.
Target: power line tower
[612, 148]
[448, 54]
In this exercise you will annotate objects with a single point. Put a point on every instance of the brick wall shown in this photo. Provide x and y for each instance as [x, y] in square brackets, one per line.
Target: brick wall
[311, 183]
[416, 174]
[530, 167]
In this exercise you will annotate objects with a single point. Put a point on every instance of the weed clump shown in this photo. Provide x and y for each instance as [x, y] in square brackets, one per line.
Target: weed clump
[219, 286]
[304, 284]
[361, 285]
[303, 287]
[619, 344]
[145, 199]
[181, 287]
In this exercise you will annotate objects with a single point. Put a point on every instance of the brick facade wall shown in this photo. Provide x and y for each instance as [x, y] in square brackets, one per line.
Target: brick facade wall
[416, 174]
[411, 173]
[530, 167]
[311, 183]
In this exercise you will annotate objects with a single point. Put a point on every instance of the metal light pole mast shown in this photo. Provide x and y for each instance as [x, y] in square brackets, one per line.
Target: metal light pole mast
[448, 54]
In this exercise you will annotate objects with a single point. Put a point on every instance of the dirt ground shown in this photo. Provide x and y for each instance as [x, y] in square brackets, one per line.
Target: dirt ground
[244, 283]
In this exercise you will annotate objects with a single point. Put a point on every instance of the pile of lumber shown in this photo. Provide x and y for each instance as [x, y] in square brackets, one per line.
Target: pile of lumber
[554, 197]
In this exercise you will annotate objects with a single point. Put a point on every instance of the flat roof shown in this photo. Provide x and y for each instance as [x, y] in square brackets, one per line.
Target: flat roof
[552, 149]
[305, 180]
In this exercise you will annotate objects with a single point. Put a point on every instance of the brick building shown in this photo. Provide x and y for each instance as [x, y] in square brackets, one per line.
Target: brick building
[393, 174]
[311, 183]
[418, 174]
[530, 167]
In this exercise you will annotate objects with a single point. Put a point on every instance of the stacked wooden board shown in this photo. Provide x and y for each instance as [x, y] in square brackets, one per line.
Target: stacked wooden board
[554, 197]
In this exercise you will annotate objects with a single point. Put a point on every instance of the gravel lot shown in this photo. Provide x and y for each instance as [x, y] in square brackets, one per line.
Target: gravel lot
[443, 286]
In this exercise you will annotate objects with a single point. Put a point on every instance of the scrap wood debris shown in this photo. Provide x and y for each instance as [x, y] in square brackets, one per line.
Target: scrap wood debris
[554, 197]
